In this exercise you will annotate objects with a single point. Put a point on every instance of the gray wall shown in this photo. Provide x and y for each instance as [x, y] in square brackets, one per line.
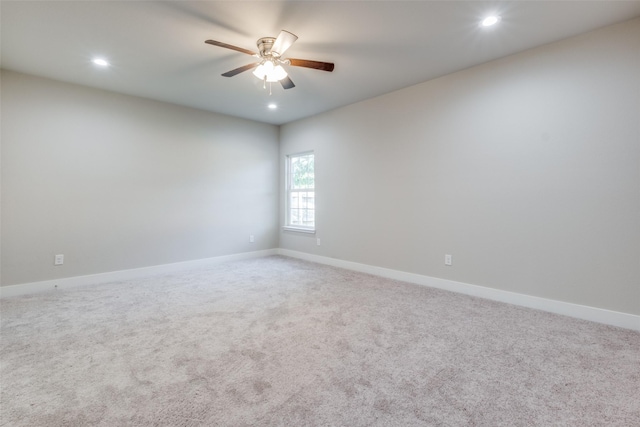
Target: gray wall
[525, 169]
[116, 182]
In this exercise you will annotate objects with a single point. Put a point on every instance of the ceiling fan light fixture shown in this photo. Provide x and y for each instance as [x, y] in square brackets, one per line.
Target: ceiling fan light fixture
[259, 72]
[270, 72]
[279, 73]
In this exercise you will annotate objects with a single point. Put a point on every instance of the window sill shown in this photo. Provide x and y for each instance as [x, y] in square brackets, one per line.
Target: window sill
[299, 229]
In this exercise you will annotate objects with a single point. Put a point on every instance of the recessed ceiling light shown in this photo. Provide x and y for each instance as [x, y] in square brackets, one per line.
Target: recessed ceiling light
[101, 62]
[272, 106]
[490, 20]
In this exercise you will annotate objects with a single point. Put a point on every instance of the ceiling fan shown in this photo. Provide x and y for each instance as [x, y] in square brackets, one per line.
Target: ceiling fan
[270, 67]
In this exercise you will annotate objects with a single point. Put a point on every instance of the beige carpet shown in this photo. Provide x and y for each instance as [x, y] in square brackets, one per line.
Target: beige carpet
[281, 342]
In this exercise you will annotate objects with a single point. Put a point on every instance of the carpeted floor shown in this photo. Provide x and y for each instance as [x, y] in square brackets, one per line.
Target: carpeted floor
[281, 342]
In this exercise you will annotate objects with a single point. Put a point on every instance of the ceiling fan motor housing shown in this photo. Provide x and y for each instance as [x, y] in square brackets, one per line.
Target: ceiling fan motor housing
[264, 47]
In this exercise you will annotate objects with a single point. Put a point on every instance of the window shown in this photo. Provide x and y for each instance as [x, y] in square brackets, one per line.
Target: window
[301, 192]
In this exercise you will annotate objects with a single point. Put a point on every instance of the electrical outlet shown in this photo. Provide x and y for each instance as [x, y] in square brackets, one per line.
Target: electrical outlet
[448, 259]
[251, 238]
[318, 241]
[58, 259]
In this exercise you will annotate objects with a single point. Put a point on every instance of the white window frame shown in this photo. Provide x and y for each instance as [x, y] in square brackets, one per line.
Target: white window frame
[288, 190]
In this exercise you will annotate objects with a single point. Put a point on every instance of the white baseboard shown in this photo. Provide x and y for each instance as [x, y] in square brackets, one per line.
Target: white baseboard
[112, 276]
[608, 317]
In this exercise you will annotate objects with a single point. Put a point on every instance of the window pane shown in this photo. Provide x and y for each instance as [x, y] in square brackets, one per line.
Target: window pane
[302, 173]
[308, 217]
[307, 200]
[297, 217]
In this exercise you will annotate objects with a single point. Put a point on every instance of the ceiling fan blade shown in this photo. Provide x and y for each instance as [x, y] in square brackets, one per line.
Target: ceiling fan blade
[240, 69]
[324, 66]
[229, 46]
[283, 42]
[287, 83]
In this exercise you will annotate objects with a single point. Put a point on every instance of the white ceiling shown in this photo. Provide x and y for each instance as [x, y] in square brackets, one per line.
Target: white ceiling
[157, 49]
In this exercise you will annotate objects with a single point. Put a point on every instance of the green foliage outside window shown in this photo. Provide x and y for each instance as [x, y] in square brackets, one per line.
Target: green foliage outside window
[302, 174]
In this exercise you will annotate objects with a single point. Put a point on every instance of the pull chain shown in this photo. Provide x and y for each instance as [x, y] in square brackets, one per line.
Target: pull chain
[264, 84]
